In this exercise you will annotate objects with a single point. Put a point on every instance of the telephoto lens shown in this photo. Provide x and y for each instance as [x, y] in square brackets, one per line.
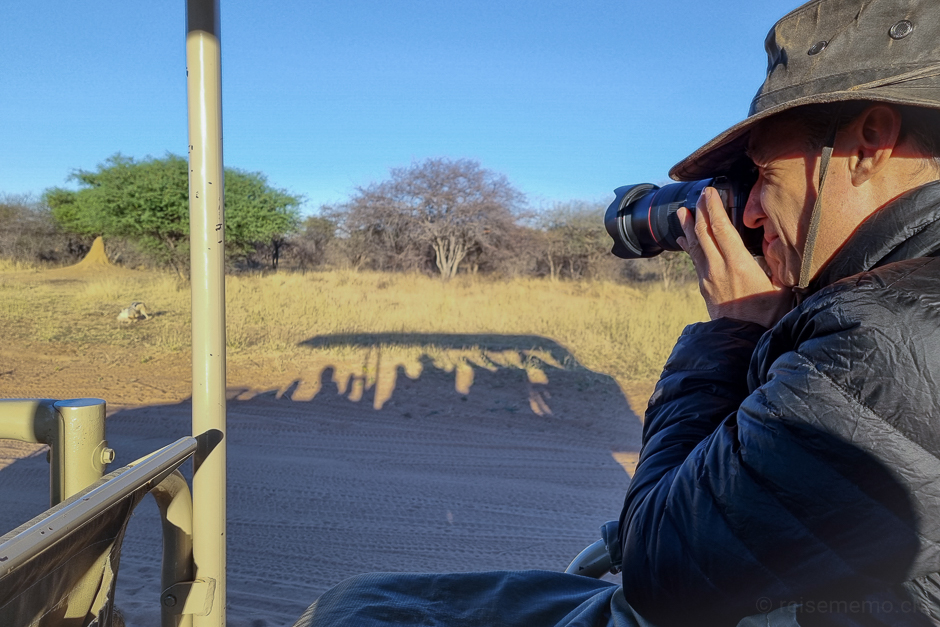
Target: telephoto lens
[642, 219]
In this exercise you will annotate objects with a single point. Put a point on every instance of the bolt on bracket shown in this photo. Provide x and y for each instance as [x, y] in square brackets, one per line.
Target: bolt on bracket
[190, 597]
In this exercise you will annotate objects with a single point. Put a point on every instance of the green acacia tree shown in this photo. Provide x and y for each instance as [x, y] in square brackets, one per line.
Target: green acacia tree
[148, 201]
[256, 213]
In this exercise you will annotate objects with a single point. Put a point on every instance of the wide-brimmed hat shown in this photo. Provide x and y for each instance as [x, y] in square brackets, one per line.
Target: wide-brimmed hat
[833, 51]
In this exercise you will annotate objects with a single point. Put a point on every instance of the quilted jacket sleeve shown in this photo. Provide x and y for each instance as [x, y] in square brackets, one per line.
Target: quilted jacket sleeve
[749, 497]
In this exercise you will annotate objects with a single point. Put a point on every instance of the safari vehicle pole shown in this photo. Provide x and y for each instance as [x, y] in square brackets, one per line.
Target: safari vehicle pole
[207, 243]
[61, 566]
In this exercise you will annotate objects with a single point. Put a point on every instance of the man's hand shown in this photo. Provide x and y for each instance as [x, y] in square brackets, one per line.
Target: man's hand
[732, 282]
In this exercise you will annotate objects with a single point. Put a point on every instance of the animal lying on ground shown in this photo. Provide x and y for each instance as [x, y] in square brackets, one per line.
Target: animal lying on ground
[137, 311]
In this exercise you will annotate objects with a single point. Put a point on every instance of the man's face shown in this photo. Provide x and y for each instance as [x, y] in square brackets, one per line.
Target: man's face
[782, 199]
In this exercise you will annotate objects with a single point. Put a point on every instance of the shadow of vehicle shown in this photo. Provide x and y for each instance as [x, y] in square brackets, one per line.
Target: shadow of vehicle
[436, 479]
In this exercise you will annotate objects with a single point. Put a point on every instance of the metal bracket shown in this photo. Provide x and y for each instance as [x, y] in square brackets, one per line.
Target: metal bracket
[190, 597]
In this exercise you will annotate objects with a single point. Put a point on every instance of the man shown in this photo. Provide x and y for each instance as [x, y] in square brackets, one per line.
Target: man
[791, 454]
[799, 465]
[790, 469]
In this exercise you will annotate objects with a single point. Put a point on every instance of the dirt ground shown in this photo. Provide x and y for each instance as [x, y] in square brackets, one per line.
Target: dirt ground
[428, 470]
[43, 370]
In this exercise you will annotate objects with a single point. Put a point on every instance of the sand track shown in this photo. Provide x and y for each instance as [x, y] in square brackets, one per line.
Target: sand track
[435, 480]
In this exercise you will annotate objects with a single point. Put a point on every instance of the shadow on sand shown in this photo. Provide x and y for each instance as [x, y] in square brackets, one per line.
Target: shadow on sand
[516, 470]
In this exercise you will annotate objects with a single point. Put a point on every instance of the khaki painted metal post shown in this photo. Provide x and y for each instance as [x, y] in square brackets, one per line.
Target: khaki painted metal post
[74, 431]
[176, 511]
[80, 452]
[204, 90]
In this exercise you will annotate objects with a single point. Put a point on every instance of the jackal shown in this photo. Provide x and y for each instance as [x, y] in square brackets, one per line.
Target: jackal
[137, 311]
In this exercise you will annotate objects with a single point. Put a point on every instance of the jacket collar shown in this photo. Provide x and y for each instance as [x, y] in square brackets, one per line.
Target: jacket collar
[906, 228]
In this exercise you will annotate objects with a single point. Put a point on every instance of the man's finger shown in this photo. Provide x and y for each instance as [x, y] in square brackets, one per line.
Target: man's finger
[690, 241]
[726, 236]
[704, 233]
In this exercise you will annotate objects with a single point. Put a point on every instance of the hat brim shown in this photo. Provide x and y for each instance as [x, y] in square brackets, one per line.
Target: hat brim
[726, 153]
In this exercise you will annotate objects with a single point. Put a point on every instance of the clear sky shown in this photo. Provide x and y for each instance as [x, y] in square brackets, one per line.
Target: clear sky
[568, 99]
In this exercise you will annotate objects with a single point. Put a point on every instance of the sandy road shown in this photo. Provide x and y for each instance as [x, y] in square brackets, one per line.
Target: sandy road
[435, 480]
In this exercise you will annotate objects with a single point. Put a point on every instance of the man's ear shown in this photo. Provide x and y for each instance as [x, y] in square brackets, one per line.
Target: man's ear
[871, 140]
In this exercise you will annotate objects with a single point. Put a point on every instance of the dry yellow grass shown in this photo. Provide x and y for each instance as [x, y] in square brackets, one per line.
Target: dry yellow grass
[11, 265]
[626, 332]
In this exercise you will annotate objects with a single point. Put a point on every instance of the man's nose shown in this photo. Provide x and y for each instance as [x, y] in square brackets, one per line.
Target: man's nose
[753, 211]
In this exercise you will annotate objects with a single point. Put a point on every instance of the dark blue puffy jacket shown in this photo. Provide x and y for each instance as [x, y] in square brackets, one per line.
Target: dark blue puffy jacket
[801, 464]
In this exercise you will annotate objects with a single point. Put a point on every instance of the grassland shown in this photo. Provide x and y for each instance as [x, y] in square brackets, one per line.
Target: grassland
[623, 331]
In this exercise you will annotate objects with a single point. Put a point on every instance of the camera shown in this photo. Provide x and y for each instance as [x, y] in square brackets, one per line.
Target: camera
[642, 219]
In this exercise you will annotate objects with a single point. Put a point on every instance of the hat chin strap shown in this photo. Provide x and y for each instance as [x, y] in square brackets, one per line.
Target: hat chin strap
[810, 246]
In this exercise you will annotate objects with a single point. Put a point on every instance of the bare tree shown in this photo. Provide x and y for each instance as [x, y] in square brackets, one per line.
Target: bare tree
[310, 245]
[30, 234]
[675, 268]
[574, 243]
[440, 209]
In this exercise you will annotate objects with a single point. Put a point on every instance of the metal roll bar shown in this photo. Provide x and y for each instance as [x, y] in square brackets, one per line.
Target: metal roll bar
[207, 272]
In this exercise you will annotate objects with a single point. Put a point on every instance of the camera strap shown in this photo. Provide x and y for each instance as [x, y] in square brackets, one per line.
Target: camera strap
[813, 231]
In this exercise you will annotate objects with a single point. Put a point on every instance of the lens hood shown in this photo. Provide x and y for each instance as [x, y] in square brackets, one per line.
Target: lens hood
[618, 221]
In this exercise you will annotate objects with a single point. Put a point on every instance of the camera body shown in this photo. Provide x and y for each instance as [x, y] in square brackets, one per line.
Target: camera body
[642, 219]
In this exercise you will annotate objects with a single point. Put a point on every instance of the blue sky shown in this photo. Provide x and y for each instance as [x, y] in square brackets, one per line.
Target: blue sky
[567, 99]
